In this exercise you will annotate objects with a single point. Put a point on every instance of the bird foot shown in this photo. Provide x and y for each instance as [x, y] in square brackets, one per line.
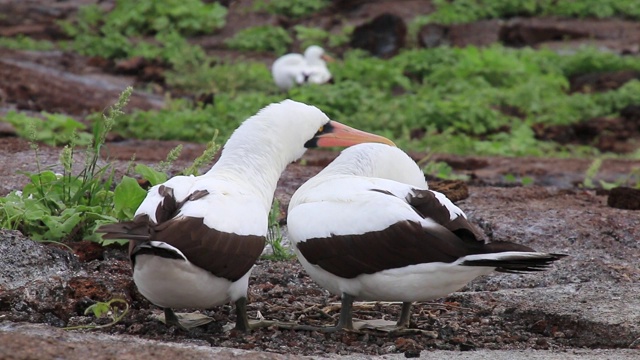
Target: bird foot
[386, 326]
[322, 329]
[253, 324]
[185, 321]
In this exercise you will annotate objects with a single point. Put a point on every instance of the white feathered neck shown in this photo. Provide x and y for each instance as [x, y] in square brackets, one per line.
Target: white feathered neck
[258, 151]
[376, 161]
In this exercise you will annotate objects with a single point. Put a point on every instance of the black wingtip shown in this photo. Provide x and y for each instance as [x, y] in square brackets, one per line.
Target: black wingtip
[518, 265]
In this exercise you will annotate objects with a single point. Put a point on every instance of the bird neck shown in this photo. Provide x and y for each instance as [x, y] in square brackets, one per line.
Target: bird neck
[258, 167]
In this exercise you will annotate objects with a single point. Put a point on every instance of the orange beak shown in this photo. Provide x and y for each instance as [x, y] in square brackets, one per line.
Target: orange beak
[327, 58]
[343, 135]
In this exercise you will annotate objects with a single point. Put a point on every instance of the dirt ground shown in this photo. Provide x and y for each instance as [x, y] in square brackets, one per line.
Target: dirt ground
[587, 305]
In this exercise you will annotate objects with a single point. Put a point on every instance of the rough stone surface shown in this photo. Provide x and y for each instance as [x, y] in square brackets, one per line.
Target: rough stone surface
[622, 197]
[383, 37]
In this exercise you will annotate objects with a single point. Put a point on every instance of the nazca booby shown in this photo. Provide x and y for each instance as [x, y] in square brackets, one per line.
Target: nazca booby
[295, 69]
[194, 239]
[367, 227]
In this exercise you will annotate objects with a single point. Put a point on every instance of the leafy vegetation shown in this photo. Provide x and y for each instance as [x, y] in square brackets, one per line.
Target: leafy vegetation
[201, 76]
[121, 33]
[275, 238]
[261, 38]
[65, 206]
[22, 42]
[470, 100]
[632, 179]
[292, 8]
[441, 170]
[53, 129]
[132, 18]
[101, 309]
[465, 11]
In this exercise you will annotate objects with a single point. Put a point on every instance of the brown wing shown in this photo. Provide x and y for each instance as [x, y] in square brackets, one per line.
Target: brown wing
[401, 244]
[427, 205]
[225, 255]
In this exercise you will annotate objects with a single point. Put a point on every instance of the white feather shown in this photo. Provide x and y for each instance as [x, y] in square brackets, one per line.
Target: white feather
[295, 69]
[340, 201]
[241, 187]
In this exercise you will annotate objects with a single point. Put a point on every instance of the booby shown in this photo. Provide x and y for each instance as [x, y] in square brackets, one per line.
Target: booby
[194, 239]
[367, 227]
[295, 69]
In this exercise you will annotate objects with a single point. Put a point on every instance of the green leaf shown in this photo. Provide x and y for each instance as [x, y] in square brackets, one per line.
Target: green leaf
[98, 309]
[128, 196]
[151, 175]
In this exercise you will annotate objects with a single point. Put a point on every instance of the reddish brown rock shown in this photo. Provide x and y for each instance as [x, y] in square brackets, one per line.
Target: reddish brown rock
[624, 198]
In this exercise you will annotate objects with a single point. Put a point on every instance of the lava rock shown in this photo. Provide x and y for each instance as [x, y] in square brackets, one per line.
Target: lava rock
[384, 36]
[624, 198]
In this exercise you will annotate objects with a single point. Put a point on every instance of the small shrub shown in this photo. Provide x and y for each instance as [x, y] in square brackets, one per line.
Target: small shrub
[101, 309]
[22, 42]
[261, 38]
[279, 251]
[292, 8]
[54, 129]
[66, 207]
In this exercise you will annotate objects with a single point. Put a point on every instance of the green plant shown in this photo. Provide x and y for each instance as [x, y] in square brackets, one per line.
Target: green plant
[131, 18]
[66, 207]
[310, 36]
[261, 38]
[279, 252]
[120, 33]
[465, 11]
[513, 179]
[196, 75]
[54, 129]
[109, 309]
[292, 8]
[632, 179]
[180, 120]
[441, 170]
[21, 42]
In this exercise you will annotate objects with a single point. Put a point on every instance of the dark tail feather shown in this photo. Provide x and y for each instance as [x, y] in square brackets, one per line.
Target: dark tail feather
[136, 230]
[514, 263]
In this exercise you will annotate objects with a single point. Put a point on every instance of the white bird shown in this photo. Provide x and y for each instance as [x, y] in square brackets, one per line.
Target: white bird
[295, 69]
[367, 227]
[194, 239]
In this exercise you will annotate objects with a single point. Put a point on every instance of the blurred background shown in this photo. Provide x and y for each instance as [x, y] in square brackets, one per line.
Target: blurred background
[484, 77]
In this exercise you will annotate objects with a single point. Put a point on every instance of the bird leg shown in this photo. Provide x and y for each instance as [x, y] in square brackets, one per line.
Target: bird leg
[405, 315]
[400, 327]
[243, 323]
[345, 321]
[171, 319]
[183, 321]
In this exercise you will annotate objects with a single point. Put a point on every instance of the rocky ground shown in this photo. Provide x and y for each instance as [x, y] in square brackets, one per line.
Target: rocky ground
[588, 300]
[587, 306]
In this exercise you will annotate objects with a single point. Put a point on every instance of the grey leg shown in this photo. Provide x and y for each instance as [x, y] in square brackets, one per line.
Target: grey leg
[345, 321]
[242, 322]
[405, 315]
[171, 319]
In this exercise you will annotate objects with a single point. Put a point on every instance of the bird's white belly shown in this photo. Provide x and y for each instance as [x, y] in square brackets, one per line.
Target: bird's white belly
[411, 283]
[178, 284]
